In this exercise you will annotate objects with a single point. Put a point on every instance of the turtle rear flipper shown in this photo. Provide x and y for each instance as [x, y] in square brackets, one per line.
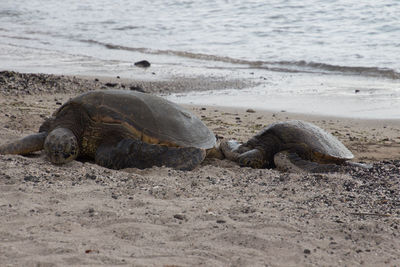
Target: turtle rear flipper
[130, 153]
[292, 162]
[25, 145]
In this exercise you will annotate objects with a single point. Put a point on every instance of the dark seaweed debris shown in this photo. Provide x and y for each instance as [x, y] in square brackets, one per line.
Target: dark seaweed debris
[14, 83]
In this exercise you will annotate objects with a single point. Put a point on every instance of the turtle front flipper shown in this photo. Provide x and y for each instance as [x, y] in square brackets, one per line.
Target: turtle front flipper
[291, 162]
[253, 158]
[25, 145]
[130, 153]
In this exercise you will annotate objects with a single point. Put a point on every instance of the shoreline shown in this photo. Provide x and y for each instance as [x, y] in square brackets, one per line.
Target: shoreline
[216, 215]
[306, 93]
[241, 85]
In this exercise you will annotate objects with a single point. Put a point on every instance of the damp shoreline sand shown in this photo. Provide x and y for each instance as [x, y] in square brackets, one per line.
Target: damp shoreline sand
[217, 214]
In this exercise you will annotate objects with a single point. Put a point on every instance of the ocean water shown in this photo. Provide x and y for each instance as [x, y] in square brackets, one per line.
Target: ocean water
[307, 49]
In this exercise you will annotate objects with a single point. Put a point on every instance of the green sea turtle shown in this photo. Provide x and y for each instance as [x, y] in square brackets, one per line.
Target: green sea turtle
[289, 146]
[120, 129]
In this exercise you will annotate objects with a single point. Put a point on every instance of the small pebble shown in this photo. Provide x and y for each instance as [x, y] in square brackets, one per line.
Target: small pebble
[136, 88]
[87, 251]
[179, 217]
[90, 176]
[111, 84]
[31, 178]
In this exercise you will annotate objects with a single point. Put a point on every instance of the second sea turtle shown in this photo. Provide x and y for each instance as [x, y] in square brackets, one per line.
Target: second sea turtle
[290, 146]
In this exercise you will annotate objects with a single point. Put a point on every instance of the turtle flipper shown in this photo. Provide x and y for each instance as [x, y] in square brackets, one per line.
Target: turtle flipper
[292, 162]
[253, 158]
[25, 145]
[130, 153]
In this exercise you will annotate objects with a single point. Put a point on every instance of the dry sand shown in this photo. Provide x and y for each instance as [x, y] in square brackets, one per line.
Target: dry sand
[216, 215]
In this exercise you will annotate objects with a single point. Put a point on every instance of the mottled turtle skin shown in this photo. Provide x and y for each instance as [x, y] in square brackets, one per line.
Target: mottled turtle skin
[290, 146]
[120, 129]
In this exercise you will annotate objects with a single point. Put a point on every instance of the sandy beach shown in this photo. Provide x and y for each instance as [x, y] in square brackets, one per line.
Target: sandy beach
[216, 215]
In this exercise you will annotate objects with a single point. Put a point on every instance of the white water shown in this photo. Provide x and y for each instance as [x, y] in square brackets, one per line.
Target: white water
[331, 95]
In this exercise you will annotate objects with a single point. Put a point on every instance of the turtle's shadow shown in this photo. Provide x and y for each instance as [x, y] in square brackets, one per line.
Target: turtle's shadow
[38, 154]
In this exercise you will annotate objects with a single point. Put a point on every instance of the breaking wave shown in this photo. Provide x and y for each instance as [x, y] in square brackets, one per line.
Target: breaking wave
[280, 66]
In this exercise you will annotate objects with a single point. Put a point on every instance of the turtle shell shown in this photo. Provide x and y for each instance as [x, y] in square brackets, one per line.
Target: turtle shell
[297, 132]
[153, 119]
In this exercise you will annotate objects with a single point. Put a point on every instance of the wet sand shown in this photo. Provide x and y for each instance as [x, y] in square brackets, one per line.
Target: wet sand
[216, 215]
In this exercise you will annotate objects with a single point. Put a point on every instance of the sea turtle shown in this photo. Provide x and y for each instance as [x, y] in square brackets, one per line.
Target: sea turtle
[290, 146]
[120, 129]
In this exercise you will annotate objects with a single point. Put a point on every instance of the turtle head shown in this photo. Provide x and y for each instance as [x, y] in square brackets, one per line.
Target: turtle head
[61, 146]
